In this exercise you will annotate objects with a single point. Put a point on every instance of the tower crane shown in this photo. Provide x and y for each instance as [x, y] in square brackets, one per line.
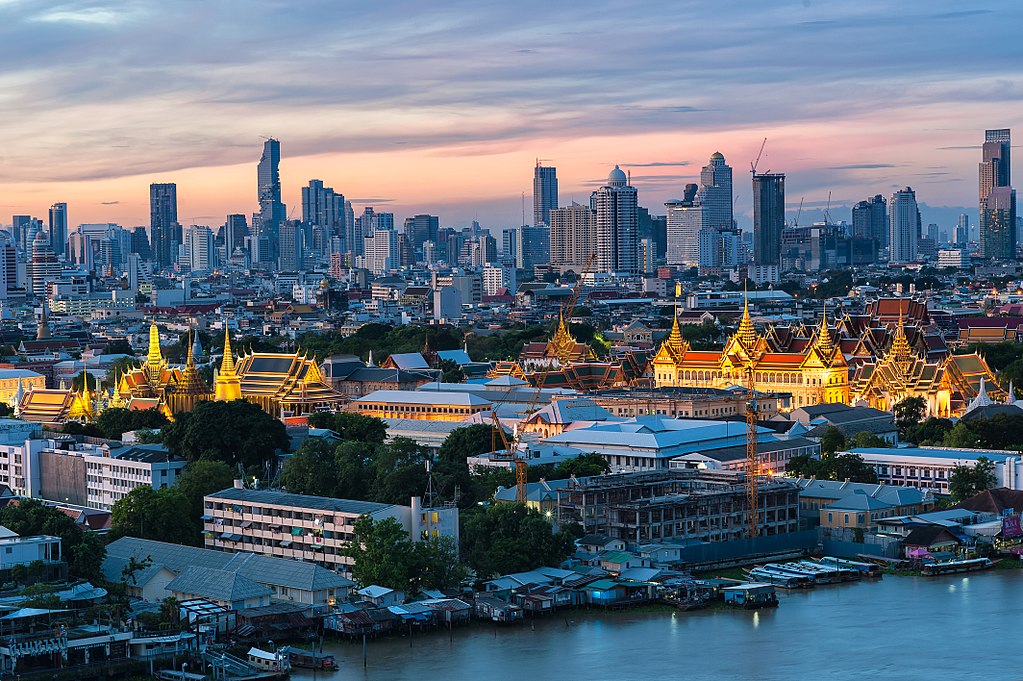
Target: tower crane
[753, 165]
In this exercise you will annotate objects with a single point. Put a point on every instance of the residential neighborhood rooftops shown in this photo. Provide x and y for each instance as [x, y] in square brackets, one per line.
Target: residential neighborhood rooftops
[217, 585]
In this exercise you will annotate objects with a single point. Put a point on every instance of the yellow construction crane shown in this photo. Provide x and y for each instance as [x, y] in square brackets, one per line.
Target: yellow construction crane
[752, 456]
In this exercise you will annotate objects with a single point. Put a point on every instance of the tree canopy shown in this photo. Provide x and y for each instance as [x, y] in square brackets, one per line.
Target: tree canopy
[384, 554]
[349, 426]
[114, 422]
[909, 412]
[236, 432]
[147, 513]
[507, 538]
[966, 481]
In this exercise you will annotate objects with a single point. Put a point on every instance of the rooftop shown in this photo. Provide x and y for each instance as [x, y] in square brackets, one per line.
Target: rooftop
[276, 498]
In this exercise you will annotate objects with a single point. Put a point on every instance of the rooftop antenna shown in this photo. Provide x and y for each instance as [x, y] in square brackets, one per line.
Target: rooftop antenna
[429, 483]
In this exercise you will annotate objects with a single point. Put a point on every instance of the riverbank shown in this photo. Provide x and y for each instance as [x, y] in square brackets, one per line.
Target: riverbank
[807, 637]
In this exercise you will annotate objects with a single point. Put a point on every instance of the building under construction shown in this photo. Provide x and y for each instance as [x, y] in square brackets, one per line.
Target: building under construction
[675, 505]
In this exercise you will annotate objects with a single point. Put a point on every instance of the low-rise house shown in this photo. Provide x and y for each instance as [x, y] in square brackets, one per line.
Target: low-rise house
[496, 610]
[816, 495]
[226, 588]
[147, 568]
[381, 596]
[16, 551]
[931, 538]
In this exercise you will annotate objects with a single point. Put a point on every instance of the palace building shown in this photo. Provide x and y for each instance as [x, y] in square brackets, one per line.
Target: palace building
[862, 360]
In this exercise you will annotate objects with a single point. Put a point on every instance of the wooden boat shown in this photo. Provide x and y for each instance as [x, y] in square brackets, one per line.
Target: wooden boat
[310, 659]
[952, 567]
[866, 569]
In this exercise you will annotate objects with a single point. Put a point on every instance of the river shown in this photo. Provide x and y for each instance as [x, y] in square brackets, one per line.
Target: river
[897, 628]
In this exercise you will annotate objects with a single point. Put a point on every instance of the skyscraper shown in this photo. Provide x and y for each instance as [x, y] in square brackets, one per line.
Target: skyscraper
[421, 228]
[617, 225]
[45, 267]
[534, 246]
[58, 229]
[715, 194]
[573, 236]
[19, 230]
[139, 243]
[236, 228]
[869, 229]
[768, 217]
[545, 193]
[200, 248]
[323, 207]
[272, 211]
[685, 221]
[291, 247]
[962, 230]
[904, 227]
[997, 199]
[164, 230]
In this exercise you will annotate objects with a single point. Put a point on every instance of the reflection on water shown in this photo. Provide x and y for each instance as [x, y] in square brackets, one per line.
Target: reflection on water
[900, 628]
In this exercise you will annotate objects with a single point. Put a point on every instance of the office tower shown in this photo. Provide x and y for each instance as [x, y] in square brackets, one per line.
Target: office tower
[348, 239]
[164, 230]
[19, 229]
[573, 236]
[9, 257]
[932, 233]
[370, 221]
[768, 218]
[45, 266]
[545, 193]
[715, 193]
[421, 228]
[323, 207]
[617, 225]
[139, 243]
[534, 246]
[997, 223]
[962, 230]
[272, 211]
[647, 255]
[904, 226]
[58, 229]
[870, 220]
[685, 221]
[235, 230]
[382, 251]
[200, 248]
[291, 248]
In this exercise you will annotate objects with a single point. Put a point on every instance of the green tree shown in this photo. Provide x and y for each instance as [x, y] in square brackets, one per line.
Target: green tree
[462, 443]
[400, 472]
[312, 469]
[929, 432]
[83, 550]
[131, 570]
[355, 427]
[832, 440]
[909, 412]
[383, 553]
[119, 346]
[966, 481]
[506, 538]
[115, 422]
[201, 478]
[147, 513]
[78, 381]
[451, 372]
[236, 432]
[581, 466]
[866, 439]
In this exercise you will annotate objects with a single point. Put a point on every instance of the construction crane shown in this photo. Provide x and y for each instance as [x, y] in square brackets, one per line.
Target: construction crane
[753, 165]
[511, 448]
[752, 456]
[799, 212]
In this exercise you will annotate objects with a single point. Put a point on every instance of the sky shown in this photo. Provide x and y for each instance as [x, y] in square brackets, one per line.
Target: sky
[446, 109]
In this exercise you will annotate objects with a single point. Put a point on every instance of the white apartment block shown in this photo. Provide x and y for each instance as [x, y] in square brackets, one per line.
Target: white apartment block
[305, 527]
[931, 467]
[97, 476]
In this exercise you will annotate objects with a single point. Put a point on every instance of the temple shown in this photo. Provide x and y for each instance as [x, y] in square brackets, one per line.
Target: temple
[860, 361]
[563, 362]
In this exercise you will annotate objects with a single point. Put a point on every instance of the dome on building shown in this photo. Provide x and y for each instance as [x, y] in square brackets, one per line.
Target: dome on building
[41, 238]
[617, 177]
[717, 156]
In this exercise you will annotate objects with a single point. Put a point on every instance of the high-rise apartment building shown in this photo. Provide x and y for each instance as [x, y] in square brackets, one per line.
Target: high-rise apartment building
[768, 217]
[291, 246]
[200, 248]
[545, 193]
[272, 212]
[533, 246]
[45, 267]
[164, 229]
[617, 223]
[382, 251]
[962, 230]
[236, 228]
[685, 221]
[573, 236]
[19, 229]
[904, 227]
[997, 223]
[58, 229]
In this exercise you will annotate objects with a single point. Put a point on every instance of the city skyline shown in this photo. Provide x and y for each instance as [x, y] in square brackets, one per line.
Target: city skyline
[893, 108]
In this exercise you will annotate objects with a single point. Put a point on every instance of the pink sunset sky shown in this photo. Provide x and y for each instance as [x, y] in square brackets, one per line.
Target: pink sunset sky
[444, 110]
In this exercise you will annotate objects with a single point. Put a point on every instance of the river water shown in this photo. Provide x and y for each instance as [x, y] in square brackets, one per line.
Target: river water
[912, 628]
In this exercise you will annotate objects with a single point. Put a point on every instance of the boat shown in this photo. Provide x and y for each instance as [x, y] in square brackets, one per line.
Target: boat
[310, 659]
[751, 596]
[951, 567]
[786, 569]
[866, 569]
[833, 572]
[779, 579]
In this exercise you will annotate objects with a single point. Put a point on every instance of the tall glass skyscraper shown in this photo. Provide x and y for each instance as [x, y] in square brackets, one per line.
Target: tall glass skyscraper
[272, 211]
[768, 217]
[58, 229]
[617, 225]
[164, 230]
[996, 227]
[545, 193]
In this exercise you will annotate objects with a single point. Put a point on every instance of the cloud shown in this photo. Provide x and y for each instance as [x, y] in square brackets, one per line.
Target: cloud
[657, 164]
[863, 166]
[109, 203]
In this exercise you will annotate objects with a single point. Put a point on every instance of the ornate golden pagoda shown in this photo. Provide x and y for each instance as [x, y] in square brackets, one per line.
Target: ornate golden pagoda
[191, 389]
[228, 386]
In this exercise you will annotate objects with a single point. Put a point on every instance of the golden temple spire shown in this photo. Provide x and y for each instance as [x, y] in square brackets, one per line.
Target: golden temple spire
[228, 385]
[154, 361]
[824, 344]
[746, 334]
